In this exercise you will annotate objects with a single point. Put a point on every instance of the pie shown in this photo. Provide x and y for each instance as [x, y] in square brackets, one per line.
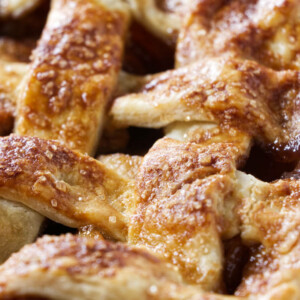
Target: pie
[125, 174]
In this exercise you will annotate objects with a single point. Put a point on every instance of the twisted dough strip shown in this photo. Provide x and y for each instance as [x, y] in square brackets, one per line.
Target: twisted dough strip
[172, 197]
[191, 197]
[63, 185]
[81, 268]
[235, 100]
[246, 100]
[60, 267]
[265, 31]
[76, 190]
[256, 273]
[69, 83]
[182, 189]
[269, 215]
[74, 71]
[229, 92]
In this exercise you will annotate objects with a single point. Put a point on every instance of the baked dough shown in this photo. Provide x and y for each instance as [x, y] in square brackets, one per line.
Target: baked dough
[71, 267]
[65, 186]
[173, 208]
[162, 23]
[57, 267]
[66, 91]
[230, 92]
[13, 233]
[265, 31]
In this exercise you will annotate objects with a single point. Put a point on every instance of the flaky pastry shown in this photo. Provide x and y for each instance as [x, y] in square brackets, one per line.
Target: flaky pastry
[155, 225]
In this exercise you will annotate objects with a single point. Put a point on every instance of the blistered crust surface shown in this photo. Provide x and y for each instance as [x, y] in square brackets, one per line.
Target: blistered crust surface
[63, 185]
[229, 92]
[88, 269]
[185, 196]
[186, 204]
[73, 74]
[181, 187]
[264, 31]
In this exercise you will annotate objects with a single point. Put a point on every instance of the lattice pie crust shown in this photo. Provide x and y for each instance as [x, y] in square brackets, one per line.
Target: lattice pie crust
[152, 226]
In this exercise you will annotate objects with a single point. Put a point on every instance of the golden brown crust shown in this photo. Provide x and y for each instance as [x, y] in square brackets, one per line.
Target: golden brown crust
[229, 92]
[84, 251]
[182, 187]
[270, 216]
[206, 133]
[73, 74]
[182, 217]
[88, 269]
[95, 29]
[63, 185]
[268, 32]
[185, 196]
[126, 166]
[84, 268]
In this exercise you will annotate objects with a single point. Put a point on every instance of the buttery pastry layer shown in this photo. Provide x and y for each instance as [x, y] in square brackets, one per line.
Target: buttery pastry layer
[264, 31]
[229, 92]
[13, 234]
[65, 92]
[236, 82]
[74, 70]
[63, 185]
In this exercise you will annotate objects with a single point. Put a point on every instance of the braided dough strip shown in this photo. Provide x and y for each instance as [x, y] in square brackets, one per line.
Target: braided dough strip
[63, 185]
[74, 71]
[68, 88]
[182, 188]
[79, 268]
[229, 92]
[180, 99]
[265, 31]
[57, 267]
